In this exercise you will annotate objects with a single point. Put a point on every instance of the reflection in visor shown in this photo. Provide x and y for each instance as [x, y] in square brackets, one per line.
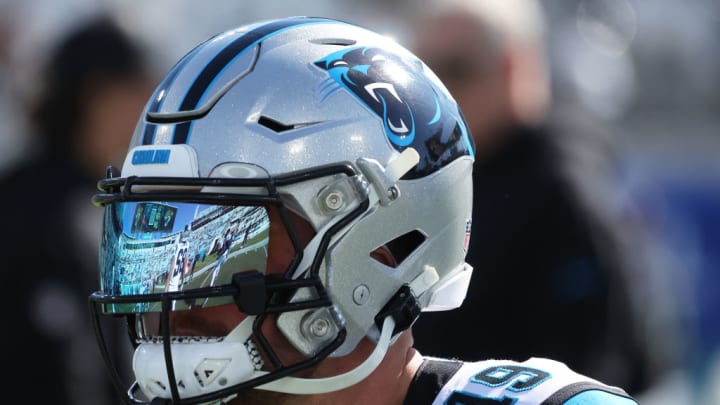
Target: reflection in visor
[156, 247]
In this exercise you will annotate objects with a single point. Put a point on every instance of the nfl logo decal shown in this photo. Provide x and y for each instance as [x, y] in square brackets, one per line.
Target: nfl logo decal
[466, 243]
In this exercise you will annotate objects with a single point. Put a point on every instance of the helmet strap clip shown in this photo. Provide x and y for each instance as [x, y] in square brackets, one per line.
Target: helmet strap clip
[384, 179]
[402, 307]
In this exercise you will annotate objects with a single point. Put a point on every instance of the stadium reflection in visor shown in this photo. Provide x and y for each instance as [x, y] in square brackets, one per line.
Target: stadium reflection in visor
[151, 247]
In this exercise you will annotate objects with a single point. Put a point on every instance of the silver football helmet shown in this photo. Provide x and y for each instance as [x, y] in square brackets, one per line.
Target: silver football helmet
[258, 128]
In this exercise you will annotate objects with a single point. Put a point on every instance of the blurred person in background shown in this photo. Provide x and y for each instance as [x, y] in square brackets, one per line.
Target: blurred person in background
[93, 85]
[557, 250]
[12, 144]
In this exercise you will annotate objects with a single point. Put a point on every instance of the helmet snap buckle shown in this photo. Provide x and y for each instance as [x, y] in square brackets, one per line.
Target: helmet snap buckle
[384, 179]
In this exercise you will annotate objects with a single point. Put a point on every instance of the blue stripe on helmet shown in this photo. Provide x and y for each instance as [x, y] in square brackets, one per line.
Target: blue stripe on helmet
[161, 92]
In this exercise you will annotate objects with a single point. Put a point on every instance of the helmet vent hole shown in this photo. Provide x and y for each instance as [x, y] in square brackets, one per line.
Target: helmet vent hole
[402, 246]
[275, 125]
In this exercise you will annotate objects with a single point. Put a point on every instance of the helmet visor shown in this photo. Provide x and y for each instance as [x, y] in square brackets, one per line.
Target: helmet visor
[154, 247]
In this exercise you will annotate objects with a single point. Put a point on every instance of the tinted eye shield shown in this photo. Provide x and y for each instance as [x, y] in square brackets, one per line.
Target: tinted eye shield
[166, 243]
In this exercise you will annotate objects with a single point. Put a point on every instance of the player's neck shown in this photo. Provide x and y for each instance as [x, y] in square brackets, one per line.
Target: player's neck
[388, 384]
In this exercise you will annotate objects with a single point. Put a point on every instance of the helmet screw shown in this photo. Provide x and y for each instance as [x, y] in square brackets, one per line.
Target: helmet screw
[320, 327]
[361, 294]
[393, 193]
[334, 201]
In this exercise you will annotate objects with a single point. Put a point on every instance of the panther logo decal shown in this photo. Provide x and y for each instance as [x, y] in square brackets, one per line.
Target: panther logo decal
[414, 112]
[367, 72]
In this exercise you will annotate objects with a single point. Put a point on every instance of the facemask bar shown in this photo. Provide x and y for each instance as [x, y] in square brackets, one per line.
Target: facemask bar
[185, 189]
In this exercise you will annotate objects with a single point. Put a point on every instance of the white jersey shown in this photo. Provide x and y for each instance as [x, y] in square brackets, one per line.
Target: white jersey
[178, 267]
[536, 381]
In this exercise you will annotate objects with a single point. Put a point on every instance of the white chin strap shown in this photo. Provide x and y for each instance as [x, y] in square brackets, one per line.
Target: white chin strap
[295, 385]
[203, 367]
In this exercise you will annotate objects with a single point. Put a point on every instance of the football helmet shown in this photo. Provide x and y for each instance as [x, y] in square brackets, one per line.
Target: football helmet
[277, 128]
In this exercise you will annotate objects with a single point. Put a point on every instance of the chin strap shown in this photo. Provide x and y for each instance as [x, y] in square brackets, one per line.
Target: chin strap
[290, 385]
[295, 385]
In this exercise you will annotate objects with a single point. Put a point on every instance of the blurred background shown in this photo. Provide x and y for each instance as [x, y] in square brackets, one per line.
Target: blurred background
[648, 70]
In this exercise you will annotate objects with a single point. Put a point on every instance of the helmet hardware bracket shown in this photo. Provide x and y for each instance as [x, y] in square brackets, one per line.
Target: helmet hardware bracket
[251, 296]
[403, 307]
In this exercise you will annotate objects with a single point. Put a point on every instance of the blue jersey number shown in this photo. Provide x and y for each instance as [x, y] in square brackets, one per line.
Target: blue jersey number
[522, 378]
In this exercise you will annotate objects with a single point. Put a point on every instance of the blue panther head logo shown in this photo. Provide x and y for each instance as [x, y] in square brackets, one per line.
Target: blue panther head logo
[415, 112]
